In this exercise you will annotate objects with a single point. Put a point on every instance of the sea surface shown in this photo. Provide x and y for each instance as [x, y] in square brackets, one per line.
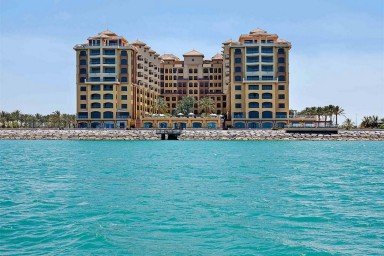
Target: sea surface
[191, 198]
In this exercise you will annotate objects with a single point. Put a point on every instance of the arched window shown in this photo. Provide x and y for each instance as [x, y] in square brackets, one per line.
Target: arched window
[281, 60]
[267, 104]
[211, 125]
[124, 79]
[196, 125]
[253, 104]
[267, 95]
[281, 50]
[253, 114]
[281, 78]
[124, 71]
[267, 125]
[281, 69]
[163, 125]
[83, 71]
[108, 114]
[108, 105]
[95, 105]
[95, 96]
[253, 125]
[239, 125]
[267, 114]
[83, 53]
[148, 125]
[95, 125]
[123, 53]
[253, 95]
[124, 62]
[108, 96]
[95, 114]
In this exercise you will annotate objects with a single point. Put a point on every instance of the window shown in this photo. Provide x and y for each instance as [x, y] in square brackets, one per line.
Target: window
[280, 51]
[108, 114]
[109, 79]
[95, 51]
[267, 96]
[124, 71]
[95, 61]
[82, 79]
[237, 51]
[281, 115]
[281, 96]
[253, 87]
[237, 69]
[124, 106]
[124, 88]
[83, 97]
[123, 53]
[95, 87]
[95, 79]
[281, 60]
[109, 60]
[83, 106]
[238, 115]
[95, 70]
[253, 59]
[124, 97]
[248, 41]
[108, 87]
[267, 68]
[253, 95]
[253, 105]
[281, 87]
[237, 60]
[252, 78]
[267, 49]
[83, 89]
[83, 62]
[281, 78]
[109, 70]
[238, 96]
[253, 114]
[237, 78]
[95, 96]
[238, 105]
[253, 68]
[124, 79]
[267, 114]
[95, 105]
[124, 62]
[108, 96]
[252, 50]
[108, 105]
[95, 114]
[109, 51]
[281, 69]
[83, 71]
[266, 59]
[238, 87]
[266, 87]
[268, 78]
[83, 53]
[266, 104]
[281, 105]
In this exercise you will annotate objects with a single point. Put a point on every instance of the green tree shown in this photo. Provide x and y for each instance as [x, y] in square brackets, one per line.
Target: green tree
[348, 124]
[337, 111]
[185, 106]
[206, 105]
[161, 106]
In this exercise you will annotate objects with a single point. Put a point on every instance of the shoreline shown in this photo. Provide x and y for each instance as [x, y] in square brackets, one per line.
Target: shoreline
[188, 134]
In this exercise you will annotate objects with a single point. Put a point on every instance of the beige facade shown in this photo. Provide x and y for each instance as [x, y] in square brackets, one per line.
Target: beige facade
[119, 83]
[193, 77]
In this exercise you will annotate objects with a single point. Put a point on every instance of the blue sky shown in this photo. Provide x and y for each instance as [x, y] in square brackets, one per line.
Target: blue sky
[337, 55]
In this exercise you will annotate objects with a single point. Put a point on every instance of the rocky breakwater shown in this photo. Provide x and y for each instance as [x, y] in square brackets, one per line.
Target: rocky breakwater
[77, 134]
[189, 134]
[278, 135]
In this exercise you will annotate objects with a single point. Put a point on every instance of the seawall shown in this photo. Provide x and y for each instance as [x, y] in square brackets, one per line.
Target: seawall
[80, 134]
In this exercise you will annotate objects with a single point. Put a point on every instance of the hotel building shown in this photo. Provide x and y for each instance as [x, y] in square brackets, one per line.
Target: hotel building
[119, 83]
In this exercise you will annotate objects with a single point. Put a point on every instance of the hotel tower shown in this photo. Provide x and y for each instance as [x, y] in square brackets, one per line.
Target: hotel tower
[119, 83]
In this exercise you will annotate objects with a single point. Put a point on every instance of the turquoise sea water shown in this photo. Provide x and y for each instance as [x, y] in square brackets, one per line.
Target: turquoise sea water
[191, 198]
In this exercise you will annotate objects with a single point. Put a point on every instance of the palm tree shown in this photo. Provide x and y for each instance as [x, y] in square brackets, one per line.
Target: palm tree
[55, 119]
[161, 106]
[338, 111]
[370, 122]
[206, 105]
[348, 124]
